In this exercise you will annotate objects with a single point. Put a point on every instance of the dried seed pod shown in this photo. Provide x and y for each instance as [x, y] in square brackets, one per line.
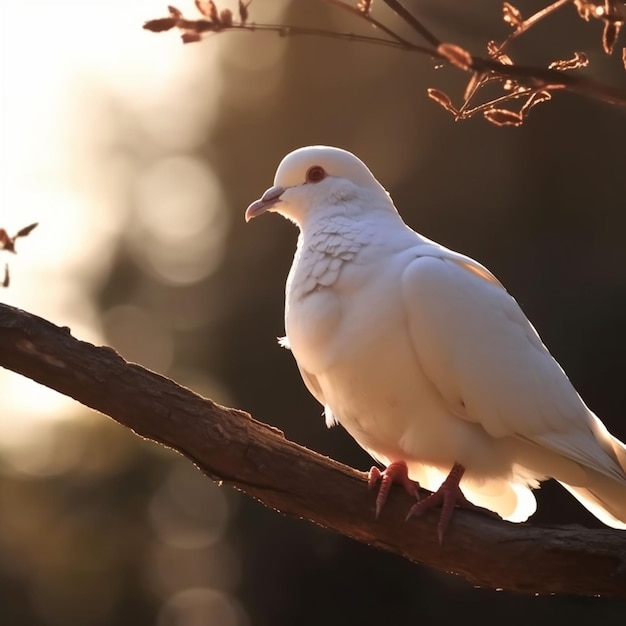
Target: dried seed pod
[610, 34]
[442, 99]
[512, 15]
[503, 117]
[27, 230]
[580, 59]
[190, 36]
[226, 18]
[456, 55]
[243, 11]
[535, 98]
[160, 25]
[493, 50]
[7, 244]
[584, 8]
[208, 10]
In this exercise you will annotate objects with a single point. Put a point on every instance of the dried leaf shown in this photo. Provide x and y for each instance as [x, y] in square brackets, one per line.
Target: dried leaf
[190, 36]
[7, 243]
[536, 98]
[473, 84]
[364, 6]
[243, 11]
[585, 9]
[226, 18]
[512, 15]
[579, 60]
[27, 230]
[442, 99]
[177, 14]
[208, 10]
[503, 117]
[610, 34]
[203, 7]
[213, 13]
[493, 50]
[160, 25]
[510, 85]
[456, 55]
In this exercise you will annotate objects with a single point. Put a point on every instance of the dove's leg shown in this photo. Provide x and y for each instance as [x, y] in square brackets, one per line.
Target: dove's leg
[447, 496]
[396, 472]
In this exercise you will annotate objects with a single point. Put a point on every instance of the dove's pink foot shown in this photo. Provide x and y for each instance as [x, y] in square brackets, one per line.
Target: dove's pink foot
[447, 496]
[396, 472]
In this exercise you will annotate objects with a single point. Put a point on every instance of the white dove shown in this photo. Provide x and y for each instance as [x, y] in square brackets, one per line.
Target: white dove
[425, 359]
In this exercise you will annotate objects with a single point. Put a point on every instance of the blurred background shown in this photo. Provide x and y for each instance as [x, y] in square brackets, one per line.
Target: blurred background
[138, 156]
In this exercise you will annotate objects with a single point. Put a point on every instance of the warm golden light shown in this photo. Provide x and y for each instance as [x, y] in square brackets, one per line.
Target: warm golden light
[62, 165]
[99, 122]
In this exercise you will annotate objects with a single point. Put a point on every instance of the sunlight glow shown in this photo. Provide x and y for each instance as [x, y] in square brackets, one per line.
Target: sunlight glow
[183, 222]
[99, 124]
[62, 165]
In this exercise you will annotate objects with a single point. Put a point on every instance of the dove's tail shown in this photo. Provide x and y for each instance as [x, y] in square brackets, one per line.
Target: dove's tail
[512, 500]
[603, 495]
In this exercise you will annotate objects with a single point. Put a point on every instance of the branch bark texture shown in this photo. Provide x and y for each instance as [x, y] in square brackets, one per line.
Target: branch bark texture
[231, 447]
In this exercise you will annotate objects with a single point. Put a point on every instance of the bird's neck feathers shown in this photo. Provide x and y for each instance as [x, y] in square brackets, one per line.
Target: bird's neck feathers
[329, 241]
[359, 208]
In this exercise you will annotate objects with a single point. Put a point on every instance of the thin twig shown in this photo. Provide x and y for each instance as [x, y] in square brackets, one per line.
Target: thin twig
[465, 113]
[541, 77]
[532, 20]
[412, 21]
[285, 31]
[374, 22]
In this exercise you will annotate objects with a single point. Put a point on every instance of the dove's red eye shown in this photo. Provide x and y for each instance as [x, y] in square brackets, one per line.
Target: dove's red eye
[315, 174]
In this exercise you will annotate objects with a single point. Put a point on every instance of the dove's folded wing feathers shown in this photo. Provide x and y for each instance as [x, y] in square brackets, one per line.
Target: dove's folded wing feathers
[487, 361]
[315, 390]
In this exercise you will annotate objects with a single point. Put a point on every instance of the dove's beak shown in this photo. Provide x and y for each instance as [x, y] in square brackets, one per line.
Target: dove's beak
[266, 202]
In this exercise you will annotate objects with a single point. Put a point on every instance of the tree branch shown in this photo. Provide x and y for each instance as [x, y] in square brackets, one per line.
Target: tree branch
[231, 447]
[482, 70]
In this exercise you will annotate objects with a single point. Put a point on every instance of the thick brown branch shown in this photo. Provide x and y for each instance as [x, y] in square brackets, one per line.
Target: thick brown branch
[552, 79]
[232, 447]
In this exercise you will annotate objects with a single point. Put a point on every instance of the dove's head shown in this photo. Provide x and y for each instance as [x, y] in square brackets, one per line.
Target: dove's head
[319, 178]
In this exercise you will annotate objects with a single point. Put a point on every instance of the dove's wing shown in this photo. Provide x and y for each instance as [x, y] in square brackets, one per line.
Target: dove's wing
[312, 385]
[314, 388]
[310, 380]
[490, 366]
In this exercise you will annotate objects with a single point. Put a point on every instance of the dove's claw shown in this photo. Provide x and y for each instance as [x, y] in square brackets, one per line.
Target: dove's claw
[447, 496]
[396, 472]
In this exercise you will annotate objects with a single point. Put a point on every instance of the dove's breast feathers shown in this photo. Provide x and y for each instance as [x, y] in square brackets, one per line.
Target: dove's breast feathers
[422, 356]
